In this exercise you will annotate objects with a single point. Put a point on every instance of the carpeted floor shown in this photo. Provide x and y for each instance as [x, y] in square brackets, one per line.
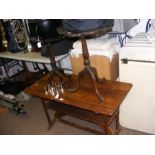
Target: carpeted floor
[35, 123]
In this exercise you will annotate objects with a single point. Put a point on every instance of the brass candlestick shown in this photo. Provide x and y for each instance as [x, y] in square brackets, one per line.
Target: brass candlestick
[4, 41]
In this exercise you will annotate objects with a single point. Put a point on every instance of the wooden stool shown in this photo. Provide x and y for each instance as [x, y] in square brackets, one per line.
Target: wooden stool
[87, 67]
[56, 72]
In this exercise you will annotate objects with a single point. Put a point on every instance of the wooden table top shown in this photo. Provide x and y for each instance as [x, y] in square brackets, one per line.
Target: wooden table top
[85, 97]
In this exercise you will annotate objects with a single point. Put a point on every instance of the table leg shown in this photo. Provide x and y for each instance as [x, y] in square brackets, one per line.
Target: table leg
[118, 129]
[105, 125]
[46, 113]
[107, 130]
[57, 115]
[117, 121]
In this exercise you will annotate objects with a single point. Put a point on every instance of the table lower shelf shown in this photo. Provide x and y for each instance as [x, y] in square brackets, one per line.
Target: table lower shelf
[103, 121]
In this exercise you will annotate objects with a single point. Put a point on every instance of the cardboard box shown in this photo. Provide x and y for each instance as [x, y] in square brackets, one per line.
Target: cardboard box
[105, 68]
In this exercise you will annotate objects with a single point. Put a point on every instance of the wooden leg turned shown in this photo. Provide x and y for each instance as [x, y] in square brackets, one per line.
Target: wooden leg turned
[88, 70]
[46, 113]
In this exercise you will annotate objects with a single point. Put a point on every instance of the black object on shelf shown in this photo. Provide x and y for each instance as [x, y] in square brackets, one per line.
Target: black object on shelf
[46, 31]
[12, 87]
[44, 28]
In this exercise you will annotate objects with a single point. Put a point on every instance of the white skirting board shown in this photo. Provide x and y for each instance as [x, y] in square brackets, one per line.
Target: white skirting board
[137, 111]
